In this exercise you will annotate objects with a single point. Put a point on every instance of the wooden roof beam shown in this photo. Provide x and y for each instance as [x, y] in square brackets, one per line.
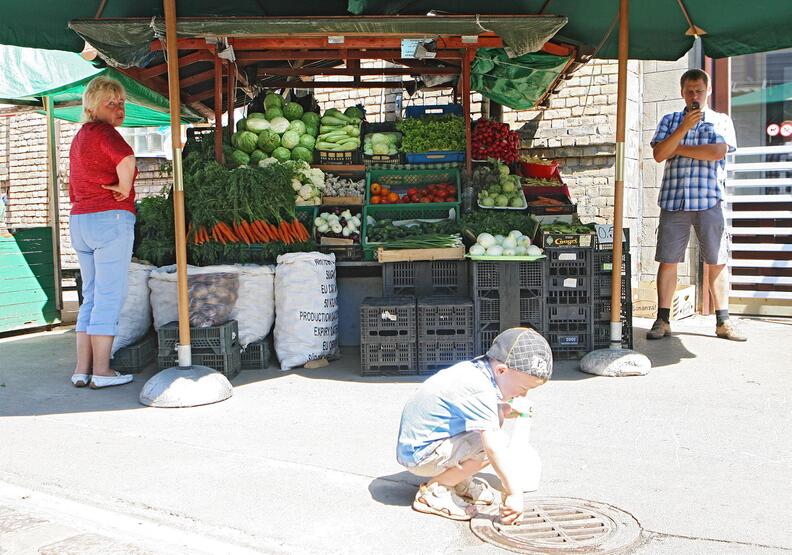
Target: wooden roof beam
[312, 55]
[351, 42]
[416, 70]
[184, 61]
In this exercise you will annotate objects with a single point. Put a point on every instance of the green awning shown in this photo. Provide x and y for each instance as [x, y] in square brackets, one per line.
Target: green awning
[28, 74]
[126, 42]
[776, 93]
[518, 83]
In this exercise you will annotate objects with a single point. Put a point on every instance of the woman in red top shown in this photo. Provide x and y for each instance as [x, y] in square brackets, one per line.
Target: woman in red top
[102, 223]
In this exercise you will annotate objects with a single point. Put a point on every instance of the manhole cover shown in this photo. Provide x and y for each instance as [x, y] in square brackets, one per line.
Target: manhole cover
[560, 525]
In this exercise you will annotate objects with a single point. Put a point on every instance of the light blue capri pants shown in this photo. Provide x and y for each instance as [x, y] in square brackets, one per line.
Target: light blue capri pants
[103, 241]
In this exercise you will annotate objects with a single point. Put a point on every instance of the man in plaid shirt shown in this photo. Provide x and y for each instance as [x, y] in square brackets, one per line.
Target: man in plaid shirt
[693, 143]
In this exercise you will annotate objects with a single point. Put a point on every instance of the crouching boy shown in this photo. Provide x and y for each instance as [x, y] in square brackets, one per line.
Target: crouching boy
[451, 427]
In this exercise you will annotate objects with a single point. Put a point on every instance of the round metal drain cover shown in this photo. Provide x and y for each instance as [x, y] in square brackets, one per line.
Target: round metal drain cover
[560, 525]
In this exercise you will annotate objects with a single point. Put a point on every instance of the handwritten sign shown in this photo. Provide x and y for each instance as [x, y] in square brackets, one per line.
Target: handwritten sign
[605, 234]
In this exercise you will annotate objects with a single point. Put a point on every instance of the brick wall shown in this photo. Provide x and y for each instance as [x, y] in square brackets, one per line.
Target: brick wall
[23, 174]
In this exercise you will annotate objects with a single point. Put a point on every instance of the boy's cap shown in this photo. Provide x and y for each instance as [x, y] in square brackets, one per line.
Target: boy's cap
[523, 349]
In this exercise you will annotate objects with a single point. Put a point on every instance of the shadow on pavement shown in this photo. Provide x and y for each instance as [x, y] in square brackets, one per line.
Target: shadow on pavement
[395, 489]
[661, 352]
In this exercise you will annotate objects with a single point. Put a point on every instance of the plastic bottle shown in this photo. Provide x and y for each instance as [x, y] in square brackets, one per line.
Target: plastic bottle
[529, 462]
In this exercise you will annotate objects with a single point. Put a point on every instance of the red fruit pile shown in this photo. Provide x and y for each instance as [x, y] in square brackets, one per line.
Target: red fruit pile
[492, 139]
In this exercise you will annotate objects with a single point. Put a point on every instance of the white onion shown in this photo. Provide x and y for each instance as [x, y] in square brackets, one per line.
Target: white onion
[495, 250]
[485, 240]
[477, 250]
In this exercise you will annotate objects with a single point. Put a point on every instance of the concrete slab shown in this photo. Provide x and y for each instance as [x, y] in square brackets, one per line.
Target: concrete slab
[304, 461]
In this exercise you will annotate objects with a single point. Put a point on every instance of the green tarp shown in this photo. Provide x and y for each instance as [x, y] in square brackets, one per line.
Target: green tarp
[29, 74]
[776, 93]
[518, 83]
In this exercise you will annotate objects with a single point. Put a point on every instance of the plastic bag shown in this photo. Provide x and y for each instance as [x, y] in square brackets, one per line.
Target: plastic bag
[306, 323]
[212, 298]
[255, 308]
[135, 318]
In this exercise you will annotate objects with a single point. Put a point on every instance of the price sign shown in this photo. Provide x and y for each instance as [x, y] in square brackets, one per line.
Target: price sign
[605, 234]
[408, 47]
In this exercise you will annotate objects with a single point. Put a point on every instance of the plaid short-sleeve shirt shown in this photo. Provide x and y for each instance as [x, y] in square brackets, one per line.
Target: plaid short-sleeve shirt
[690, 184]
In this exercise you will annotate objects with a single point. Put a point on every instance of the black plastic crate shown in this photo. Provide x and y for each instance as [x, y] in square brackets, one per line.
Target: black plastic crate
[220, 340]
[568, 262]
[389, 359]
[598, 246]
[568, 313]
[345, 158]
[569, 339]
[388, 319]
[343, 253]
[442, 353]
[257, 355]
[228, 364]
[435, 277]
[442, 317]
[484, 337]
[602, 310]
[488, 311]
[498, 275]
[136, 357]
[602, 287]
[603, 262]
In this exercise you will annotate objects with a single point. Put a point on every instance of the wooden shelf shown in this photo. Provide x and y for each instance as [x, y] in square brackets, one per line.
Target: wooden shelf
[341, 169]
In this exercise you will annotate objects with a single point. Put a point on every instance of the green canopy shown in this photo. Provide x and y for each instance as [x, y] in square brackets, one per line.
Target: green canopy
[776, 93]
[28, 74]
[518, 83]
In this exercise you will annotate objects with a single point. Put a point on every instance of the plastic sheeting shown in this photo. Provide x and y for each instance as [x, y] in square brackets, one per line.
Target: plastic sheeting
[518, 83]
[125, 43]
[28, 74]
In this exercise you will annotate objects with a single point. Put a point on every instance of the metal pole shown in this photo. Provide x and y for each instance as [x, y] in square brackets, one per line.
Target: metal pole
[185, 354]
[53, 198]
[618, 208]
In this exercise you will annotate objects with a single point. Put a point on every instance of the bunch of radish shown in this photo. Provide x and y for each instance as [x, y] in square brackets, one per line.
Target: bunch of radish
[492, 139]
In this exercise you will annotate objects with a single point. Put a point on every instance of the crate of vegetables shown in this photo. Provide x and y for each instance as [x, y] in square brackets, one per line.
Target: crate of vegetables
[337, 230]
[381, 144]
[433, 134]
[430, 228]
[550, 207]
[439, 187]
[338, 141]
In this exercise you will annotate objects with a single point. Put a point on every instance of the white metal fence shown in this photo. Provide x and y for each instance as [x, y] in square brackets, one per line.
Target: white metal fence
[759, 219]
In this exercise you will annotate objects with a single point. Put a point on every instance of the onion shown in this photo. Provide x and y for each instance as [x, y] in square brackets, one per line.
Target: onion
[485, 240]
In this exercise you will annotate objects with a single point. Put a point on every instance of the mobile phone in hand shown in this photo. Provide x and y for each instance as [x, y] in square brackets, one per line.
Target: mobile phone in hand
[695, 105]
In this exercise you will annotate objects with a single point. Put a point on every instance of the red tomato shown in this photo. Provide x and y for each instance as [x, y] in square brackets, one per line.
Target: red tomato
[442, 193]
[450, 199]
[426, 199]
[412, 191]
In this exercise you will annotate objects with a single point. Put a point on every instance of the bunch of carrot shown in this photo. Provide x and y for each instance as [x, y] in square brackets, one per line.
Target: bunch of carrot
[257, 231]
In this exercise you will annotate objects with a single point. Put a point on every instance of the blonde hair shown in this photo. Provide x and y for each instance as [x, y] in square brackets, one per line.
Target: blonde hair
[97, 91]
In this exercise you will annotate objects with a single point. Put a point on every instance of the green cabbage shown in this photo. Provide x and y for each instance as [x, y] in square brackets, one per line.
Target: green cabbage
[239, 158]
[379, 148]
[310, 119]
[273, 100]
[257, 156]
[312, 130]
[247, 141]
[292, 111]
[297, 126]
[307, 141]
[379, 138]
[268, 140]
[257, 125]
[354, 112]
[302, 153]
[279, 125]
[240, 125]
[281, 154]
[273, 113]
[290, 139]
[256, 115]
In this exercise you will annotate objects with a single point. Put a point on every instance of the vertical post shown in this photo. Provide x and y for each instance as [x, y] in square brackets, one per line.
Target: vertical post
[467, 59]
[53, 208]
[618, 208]
[174, 96]
[218, 108]
[230, 98]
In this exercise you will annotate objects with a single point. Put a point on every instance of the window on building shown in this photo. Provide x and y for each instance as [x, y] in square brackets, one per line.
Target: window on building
[148, 142]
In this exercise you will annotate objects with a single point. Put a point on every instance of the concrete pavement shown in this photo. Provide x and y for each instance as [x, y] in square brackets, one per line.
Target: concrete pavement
[303, 462]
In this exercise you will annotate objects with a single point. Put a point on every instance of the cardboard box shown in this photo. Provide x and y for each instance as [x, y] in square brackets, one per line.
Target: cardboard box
[683, 304]
[566, 240]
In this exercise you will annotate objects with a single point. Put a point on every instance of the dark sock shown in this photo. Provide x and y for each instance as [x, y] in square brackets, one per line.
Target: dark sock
[664, 314]
[721, 316]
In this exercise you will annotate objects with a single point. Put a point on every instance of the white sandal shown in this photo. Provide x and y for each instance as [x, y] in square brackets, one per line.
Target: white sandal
[476, 491]
[438, 500]
[98, 382]
[80, 380]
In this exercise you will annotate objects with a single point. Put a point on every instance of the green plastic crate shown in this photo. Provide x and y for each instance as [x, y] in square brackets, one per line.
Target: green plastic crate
[229, 364]
[257, 355]
[399, 181]
[427, 211]
[136, 357]
[220, 340]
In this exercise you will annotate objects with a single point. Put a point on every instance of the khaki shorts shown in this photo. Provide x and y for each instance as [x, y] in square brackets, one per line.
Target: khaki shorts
[673, 235]
[450, 453]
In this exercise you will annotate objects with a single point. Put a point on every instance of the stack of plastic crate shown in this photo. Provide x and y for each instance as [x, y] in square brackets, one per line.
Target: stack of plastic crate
[136, 357]
[257, 355]
[445, 332]
[602, 278]
[424, 278]
[569, 298]
[216, 347]
[506, 295]
[388, 336]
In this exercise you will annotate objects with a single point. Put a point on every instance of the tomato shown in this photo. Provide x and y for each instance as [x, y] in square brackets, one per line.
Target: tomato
[450, 199]
[384, 192]
[393, 198]
[412, 191]
[375, 199]
[426, 199]
[438, 198]
[442, 193]
[376, 188]
[415, 197]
